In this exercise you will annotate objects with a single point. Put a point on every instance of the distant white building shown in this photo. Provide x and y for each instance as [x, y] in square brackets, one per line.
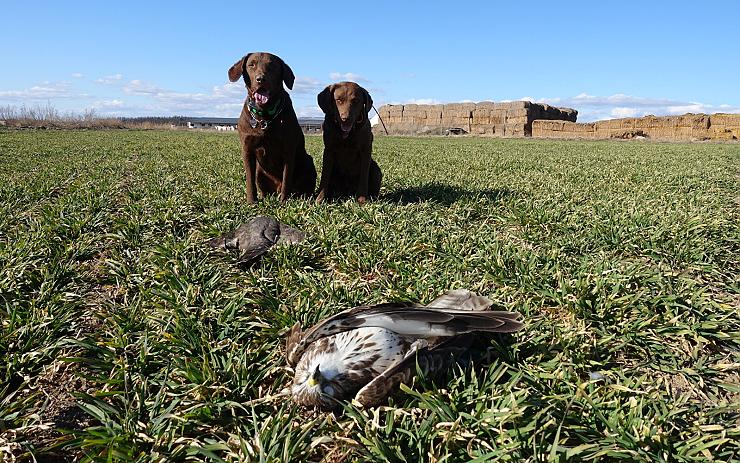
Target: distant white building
[308, 124]
[311, 124]
[214, 123]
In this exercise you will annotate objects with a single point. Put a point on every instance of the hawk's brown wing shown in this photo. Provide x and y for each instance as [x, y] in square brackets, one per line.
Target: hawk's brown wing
[432, 360]
[299, 340]
[460, 299]
[416, 322]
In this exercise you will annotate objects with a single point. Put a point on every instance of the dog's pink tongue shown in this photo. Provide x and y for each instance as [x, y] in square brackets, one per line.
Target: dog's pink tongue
[261, 96]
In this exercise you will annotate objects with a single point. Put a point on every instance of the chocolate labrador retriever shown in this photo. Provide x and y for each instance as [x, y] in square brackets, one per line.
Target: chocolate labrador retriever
[348, 167]
[273, 146]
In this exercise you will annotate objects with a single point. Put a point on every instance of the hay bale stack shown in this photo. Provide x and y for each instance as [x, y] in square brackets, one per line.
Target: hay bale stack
[725, 121]
[457, 115]
[547, 128]
[482, 113]
[677, 128]
[414, 115]
[509, 119]
[434, 115]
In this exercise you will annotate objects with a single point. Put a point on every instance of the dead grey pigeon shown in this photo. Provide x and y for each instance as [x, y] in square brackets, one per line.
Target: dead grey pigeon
[254, 238]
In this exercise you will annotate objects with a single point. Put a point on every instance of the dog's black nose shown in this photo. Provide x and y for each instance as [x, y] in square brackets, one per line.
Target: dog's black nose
[260, 78]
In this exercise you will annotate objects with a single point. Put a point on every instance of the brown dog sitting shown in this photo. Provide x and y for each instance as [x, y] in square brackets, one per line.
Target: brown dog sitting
[348, 168]
[273, 146]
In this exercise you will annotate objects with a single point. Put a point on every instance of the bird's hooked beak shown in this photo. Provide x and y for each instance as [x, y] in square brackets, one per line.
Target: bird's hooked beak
[315, 377]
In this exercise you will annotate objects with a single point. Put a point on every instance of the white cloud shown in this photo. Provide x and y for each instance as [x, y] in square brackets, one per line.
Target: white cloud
[44, 91]
[693, 108]
[307, 85]
[78, 75]
[422, 101]
[139, 87]
[309, 111]
[110, 80]
[223, 100]
[351, 76]
[621, 112]
[106, 104]
[620, 99]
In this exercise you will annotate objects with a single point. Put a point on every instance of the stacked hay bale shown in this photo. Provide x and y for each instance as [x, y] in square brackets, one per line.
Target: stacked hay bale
[562, 129]
[391, 115]
[511, 119]
[457, 115]
[725, 126]
[413, 117]
[687, 127]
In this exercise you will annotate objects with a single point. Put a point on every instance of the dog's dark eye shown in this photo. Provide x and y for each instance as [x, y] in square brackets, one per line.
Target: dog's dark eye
[339, 100]
[251, 65]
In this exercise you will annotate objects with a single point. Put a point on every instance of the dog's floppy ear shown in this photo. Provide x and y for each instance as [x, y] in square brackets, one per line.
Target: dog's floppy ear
[368, 101]
[237, 70]
[288, 76]
[326, 99]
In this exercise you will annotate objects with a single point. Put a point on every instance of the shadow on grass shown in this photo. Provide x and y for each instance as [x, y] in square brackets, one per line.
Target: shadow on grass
[446, 195]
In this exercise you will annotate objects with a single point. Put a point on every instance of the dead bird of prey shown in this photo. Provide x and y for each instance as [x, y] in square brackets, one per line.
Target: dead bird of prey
[254, 238]
[366, 352]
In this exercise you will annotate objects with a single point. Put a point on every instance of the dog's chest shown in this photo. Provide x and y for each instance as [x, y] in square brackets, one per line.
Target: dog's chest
[268, 148]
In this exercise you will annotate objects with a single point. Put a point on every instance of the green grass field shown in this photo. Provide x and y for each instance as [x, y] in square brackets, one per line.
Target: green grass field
[124, 338]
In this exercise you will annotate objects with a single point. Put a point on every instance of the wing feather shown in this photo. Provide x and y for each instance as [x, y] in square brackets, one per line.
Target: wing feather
[412, 321]
[461, 299]
[431, 361]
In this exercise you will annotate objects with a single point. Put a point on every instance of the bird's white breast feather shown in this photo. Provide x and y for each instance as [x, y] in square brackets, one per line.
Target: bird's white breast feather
[387, 345]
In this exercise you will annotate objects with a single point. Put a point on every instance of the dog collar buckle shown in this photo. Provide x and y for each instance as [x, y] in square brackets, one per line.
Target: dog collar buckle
[256, 123]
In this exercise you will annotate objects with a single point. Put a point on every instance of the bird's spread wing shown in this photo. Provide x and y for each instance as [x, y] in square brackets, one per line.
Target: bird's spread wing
[410, 320]
[460, 299]
[298, 340]
[431, 361]
[255, 238]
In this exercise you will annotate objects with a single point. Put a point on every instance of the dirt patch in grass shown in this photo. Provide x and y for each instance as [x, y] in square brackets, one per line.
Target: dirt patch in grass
[61, 414]
[62, 380]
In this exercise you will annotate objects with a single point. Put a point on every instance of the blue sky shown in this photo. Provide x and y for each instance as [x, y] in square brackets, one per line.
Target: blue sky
[605, 59]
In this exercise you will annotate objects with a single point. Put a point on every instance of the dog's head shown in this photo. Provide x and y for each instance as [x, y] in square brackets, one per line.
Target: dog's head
[264, 74]
[346, 103]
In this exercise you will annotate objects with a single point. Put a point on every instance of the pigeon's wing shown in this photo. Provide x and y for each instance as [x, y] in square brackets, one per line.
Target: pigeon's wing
[431, 361]
[408, 320]
[222, 242]
[290, 235]
[255, 238]
[252, 255]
